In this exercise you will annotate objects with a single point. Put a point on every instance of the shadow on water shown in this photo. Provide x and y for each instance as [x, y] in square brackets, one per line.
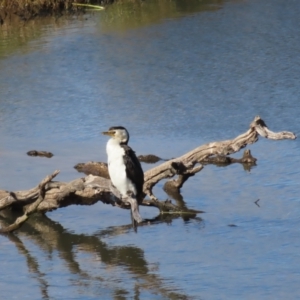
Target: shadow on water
[51, 237]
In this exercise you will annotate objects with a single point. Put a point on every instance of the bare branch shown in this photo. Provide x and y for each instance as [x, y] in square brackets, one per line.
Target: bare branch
[32, 207]
[262, 129]
[198, 155]
[50, 195]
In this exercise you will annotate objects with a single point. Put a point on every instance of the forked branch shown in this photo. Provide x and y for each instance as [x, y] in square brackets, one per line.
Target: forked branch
[51, 195]
[188, 161]
[33, 206]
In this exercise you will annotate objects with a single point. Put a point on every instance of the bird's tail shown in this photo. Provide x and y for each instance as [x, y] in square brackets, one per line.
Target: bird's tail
[135, 209]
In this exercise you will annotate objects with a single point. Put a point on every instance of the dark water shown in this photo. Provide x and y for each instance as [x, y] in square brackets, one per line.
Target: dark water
[177, 74]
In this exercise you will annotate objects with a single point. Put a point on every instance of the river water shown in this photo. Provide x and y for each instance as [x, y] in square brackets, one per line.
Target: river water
[177, 74]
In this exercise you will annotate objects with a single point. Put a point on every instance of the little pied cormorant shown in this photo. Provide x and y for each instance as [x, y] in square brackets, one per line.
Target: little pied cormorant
[124, 168]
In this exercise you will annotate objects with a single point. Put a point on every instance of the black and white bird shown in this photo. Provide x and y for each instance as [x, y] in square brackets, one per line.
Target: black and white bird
[124, 168]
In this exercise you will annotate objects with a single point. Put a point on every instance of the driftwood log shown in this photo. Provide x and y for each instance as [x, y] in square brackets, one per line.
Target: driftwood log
[50, 195]
[40, 153]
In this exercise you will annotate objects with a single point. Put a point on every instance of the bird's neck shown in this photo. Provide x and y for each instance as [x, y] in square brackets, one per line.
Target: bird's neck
[113, 148]
[112, 143]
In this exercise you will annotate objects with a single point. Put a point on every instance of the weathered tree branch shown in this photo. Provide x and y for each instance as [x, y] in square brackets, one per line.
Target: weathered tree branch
[51, 195]
[190, 159]
[31, 208]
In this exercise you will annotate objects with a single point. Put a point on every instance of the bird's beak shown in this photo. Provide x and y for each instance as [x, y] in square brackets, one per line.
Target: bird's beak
[110, 133]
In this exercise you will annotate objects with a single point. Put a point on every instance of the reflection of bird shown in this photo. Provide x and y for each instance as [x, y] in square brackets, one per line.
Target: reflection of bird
[124, 168]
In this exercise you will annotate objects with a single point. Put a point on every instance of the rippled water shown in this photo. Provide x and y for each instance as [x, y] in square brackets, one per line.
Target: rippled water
[177, 74]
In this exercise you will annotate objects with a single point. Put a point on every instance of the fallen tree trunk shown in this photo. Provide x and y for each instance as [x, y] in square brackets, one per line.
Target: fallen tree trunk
[50, 195]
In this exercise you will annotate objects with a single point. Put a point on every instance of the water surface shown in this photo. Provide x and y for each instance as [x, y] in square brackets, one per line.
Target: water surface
[177, 75]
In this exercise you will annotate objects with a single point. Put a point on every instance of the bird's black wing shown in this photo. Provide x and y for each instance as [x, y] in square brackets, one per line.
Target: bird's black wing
[134, 170]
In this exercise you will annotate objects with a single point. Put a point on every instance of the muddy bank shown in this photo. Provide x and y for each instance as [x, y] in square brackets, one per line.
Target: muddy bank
[26, 10]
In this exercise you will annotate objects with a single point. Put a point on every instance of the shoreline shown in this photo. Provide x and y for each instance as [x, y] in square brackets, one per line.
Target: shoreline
[27, 10]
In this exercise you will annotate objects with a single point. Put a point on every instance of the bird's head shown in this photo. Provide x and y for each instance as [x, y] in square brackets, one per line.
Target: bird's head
[119, 133]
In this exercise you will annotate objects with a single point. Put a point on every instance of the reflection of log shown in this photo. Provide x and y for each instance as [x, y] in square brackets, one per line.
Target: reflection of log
[88, 190]
[32, 265]
[70, 247]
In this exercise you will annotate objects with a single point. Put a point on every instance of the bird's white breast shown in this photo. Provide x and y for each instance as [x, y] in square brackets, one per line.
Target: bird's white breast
[117, 168]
